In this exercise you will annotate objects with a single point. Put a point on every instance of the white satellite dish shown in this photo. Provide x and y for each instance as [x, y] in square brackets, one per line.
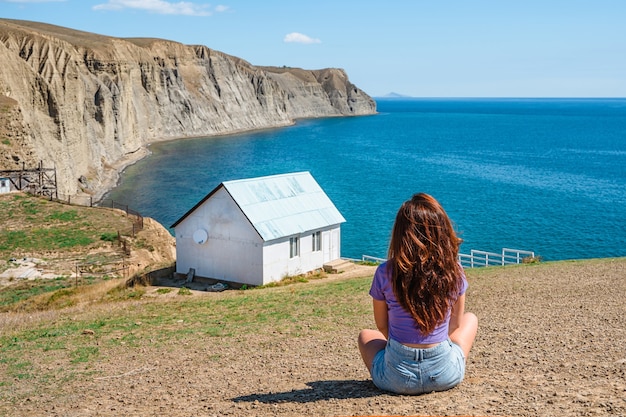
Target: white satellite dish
[200, 236]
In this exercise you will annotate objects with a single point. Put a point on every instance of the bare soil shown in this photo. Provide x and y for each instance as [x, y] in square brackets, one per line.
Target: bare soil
[552, 342]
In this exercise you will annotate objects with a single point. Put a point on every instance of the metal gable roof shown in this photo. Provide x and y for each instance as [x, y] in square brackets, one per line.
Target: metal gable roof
[284, 205]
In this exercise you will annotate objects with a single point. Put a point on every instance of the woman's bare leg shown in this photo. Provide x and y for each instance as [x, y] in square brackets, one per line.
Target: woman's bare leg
[465, 334]
[370, 343]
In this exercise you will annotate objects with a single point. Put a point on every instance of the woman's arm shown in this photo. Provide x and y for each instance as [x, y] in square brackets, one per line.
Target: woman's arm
[457, 314]
[381, 317]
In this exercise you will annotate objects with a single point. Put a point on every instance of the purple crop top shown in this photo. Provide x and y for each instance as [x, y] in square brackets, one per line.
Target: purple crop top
[402, 327]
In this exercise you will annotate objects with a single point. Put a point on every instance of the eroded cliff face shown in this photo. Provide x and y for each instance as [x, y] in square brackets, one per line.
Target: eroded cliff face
[86, 103]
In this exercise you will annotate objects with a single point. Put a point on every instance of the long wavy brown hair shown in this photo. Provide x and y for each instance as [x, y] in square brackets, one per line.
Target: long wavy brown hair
[423, 255]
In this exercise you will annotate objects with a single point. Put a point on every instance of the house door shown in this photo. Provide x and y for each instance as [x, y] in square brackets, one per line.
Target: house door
[334, 244]
[326, 246]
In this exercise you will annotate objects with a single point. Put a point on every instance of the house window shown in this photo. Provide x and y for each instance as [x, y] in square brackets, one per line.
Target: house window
[317, 241]
[294, 247]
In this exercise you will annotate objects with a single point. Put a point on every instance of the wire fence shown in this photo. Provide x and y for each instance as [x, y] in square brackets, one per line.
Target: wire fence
[88, 201]
[138, 218]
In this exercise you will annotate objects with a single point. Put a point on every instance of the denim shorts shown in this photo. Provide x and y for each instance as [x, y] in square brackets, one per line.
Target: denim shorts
[406, 370]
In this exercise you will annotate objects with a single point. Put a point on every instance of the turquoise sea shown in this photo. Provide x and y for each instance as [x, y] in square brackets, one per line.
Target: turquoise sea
[547, 175]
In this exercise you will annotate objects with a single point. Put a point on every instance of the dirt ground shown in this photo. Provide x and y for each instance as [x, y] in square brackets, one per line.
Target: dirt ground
[552, 342]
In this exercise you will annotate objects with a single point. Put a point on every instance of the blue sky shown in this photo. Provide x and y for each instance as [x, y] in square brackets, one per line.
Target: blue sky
[422, 48]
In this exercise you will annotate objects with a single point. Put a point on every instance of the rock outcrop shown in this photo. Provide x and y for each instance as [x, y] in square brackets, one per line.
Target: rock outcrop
[88, 104]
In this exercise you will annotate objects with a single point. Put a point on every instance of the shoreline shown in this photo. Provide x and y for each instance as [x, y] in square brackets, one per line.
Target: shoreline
[113, 172]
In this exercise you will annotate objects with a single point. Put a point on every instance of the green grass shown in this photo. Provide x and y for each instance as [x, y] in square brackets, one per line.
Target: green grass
[84, 354]
[11, 239]
[20, 370]
[109, 236]
[71, 342]
[28, 289]
[41, 239]
[184, 291]
[63, 216]
[29, 205]
[233, 314]
[32, 224]
[57, 238]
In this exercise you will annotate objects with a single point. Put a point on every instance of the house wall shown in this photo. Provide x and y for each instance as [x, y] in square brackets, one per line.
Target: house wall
[233, 250]
[278, 264]
[5, 185]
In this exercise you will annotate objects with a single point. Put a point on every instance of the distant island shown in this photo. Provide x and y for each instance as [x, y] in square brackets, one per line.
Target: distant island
[394, 95]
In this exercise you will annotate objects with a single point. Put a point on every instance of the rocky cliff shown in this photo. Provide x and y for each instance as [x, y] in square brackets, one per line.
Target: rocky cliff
[88, 104]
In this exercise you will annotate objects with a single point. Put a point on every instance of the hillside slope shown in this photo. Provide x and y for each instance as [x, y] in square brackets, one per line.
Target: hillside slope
[43, 240]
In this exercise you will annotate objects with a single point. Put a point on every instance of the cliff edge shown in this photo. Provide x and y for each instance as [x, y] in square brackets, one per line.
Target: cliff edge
[88, 104]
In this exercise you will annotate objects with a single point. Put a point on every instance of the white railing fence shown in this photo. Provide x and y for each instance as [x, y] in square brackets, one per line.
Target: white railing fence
[373, 259]
[478, 258]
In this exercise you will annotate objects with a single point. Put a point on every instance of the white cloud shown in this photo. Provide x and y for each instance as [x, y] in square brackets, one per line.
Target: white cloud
[300, 38]
[158, 6]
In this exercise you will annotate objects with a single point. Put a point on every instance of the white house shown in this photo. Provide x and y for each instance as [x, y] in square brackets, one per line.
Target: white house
[5, 185]
[258, 230]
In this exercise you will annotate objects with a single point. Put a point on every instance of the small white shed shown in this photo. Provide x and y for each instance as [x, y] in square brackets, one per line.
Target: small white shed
[5, 185]
[258, 230]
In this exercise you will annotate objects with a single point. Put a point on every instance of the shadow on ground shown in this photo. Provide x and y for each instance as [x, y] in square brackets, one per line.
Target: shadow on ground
[318, 390]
